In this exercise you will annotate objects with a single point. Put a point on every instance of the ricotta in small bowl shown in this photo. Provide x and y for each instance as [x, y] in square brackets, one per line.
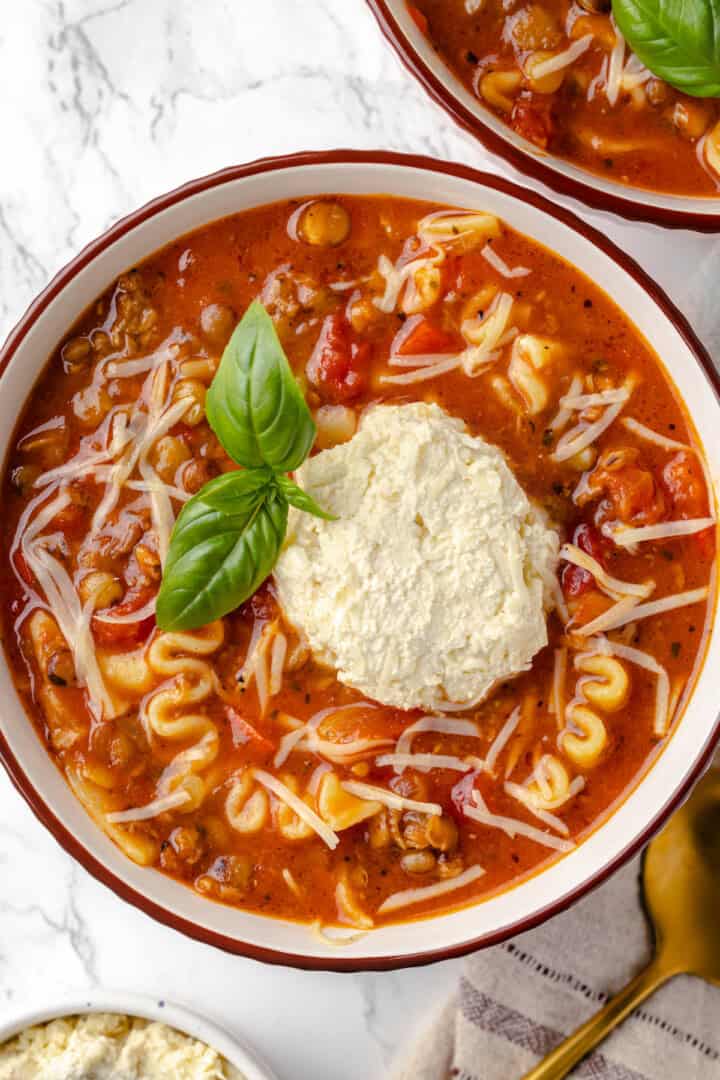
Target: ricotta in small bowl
[432, 584]
[109, 1046]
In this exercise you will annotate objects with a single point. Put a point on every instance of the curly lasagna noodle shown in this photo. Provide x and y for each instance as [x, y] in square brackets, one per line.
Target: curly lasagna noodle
[560, 74]
[445, 686]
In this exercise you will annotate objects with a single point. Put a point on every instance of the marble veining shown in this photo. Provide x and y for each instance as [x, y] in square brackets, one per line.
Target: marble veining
[105, 105]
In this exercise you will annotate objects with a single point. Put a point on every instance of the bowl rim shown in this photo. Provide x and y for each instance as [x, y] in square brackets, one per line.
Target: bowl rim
[22, 782]
[147, 1007]
[533, 166]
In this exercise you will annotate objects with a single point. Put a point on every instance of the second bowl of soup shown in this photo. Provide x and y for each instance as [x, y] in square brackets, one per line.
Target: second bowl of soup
[553, 87]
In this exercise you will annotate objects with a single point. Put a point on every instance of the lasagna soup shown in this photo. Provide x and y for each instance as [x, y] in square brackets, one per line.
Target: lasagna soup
[488, 600]
[561, 75]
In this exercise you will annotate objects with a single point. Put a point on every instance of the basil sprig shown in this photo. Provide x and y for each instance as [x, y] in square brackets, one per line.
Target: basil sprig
[678, 40]
[227, 538]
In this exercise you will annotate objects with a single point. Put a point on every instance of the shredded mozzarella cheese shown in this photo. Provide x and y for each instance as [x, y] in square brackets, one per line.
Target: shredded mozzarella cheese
[613, 84]
[151, 810]
[277, 663]
[501, 739]
[651, 436]
[491, 256]
[620, 613]
[389, 798]
[557, 701]
[287, 744]
[484, 336]
[423, 762]
[575, 440]
[512, 827]
[522, 795]
[625, 536]
[613, 586]
[296, 804]
[64, 603]
[562, 59]
[564, 415]
[443, 724]
[406, 897]
[425, 371]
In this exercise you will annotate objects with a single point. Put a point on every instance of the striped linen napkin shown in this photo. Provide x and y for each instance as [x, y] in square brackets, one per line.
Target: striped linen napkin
[517, 1001]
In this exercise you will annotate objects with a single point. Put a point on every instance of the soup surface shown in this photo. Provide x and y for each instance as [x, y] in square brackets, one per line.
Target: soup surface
[559, 73]
[234, 757]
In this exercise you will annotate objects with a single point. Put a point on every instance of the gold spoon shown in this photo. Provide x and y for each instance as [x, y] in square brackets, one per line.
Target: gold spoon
[681, 884]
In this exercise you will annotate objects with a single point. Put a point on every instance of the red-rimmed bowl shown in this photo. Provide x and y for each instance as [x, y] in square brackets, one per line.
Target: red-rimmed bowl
[664, 785]
[636, 204]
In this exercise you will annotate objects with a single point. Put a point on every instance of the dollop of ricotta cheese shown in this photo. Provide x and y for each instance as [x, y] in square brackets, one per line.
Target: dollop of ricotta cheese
[433, 583]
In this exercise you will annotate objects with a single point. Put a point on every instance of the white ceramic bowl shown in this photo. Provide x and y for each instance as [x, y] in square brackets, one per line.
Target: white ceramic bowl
[422, 61]
[235, 1051]
[672, 774]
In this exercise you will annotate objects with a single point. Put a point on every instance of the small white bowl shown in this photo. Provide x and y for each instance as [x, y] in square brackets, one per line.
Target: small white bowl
[657, 793]
[235, 1051]
[701, 214]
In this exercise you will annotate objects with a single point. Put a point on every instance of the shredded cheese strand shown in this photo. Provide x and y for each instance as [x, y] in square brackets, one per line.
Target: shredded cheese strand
[423, 762]
[522, 795]
[613, 586]
[557, 702]
[491, 256]
[303, 811]
[563, 59]
[664, 530]
[406, 897]
[627, 610]
[501, 740]
[578, 438]
[443, 724]
[389, 798]
[644, 432]
[512, 827]
[151, 810]
[564, 415]
[430, 371]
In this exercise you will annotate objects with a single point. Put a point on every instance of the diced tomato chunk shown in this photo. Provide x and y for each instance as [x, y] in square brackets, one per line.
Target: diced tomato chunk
[575, 580]
[532, 118]
[247, 736]
[590, 540]
[418, 18]
[338, 365]
[632, 493]
[125, 633]
[684, 482]
[420, 337]
[592, 604]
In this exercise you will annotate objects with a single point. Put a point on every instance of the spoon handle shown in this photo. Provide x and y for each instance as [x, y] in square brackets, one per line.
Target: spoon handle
[562, 1059]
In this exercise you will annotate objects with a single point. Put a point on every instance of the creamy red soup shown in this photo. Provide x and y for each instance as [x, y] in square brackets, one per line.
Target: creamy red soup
[233, 757]
[559, 73]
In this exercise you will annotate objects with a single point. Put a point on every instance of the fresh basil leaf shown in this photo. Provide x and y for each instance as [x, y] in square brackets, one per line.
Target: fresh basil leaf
[225, 542]
[254, 405]
[678, 40]
[301, 500]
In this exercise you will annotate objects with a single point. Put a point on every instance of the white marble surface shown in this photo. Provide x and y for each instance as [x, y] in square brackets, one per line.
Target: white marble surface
[104, 104]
